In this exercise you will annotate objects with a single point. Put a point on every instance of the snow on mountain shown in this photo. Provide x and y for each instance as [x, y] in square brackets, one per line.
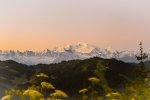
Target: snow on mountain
[70, 52]
[80, 47]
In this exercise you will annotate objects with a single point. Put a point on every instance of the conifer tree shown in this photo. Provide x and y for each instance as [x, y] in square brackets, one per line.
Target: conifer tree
[141, 57]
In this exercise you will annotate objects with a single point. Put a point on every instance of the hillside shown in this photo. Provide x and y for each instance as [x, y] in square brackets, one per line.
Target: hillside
[68, 76]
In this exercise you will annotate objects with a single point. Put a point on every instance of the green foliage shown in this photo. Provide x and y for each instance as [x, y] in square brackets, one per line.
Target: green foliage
[96, 81]
[142, 55]
[37, 91]
[139, 89]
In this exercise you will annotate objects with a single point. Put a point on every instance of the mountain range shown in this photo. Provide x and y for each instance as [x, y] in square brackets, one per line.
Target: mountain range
[79, 51]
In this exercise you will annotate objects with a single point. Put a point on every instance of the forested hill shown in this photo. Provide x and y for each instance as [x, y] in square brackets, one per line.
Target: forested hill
[69, 76]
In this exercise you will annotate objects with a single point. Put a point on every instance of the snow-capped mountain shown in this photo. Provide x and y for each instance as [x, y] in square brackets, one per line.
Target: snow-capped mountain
[70, 52]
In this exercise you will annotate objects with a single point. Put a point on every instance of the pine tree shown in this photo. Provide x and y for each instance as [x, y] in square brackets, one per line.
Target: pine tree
[140, 72]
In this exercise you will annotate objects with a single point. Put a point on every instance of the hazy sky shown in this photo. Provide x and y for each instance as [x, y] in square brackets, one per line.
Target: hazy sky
[41, 24]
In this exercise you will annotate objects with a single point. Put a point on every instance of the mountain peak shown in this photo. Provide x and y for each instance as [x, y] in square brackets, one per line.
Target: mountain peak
[82, 44]
[80, 48]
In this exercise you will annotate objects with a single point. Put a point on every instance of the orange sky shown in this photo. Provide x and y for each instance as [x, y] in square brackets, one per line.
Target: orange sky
[37, 24]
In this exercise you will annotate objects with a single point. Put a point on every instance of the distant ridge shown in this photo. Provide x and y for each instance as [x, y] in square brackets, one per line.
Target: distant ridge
[70, 52]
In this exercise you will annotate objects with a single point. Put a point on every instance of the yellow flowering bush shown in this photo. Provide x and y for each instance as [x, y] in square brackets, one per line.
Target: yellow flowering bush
[41, 75]
[32, 94]
[47, 85]
[83, 91]
[58, 94]
[41, 99]
[147, 80]
[7, 97]
[94, 80]
[6, 92]
[113, 95]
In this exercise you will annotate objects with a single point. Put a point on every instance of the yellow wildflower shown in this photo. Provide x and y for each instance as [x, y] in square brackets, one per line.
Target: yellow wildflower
[42, 75]
[12, 91]
[34, 87]
[94, 80]
[108, 94]
[42, 99]
[6, 92]
[132, 98]
[83, 90]
[59, 94]
[7, 97]
[26, 92]
[49, 99]
[17, 92]
[114, 94]
[146, 79]
[32, 93]
[47, 85]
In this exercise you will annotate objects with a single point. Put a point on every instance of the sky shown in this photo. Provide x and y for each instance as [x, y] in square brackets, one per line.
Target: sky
[41, 24]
